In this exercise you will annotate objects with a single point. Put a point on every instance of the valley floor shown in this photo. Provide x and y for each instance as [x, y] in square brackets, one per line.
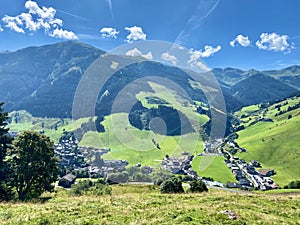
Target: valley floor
[145, 205]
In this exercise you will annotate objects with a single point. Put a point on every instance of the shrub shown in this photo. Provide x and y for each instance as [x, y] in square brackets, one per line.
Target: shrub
[99, 187]
[160, 176]
[116, 178]
[172, 185]
[139, 177]
[197, 186]
[294, 184]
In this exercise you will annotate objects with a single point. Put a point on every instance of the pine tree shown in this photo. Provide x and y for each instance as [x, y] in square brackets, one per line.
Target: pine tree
[5, 142]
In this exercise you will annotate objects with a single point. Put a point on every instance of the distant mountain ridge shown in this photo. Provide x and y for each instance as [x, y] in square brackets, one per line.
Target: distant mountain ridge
[43, 80]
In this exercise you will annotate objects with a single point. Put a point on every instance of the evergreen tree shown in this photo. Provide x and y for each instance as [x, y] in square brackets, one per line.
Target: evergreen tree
[5, 142]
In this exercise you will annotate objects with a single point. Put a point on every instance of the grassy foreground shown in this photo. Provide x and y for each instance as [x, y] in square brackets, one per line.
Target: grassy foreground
[145, 205]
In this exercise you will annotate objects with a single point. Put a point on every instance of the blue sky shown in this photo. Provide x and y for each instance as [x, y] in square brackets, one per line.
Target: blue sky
[260, 34]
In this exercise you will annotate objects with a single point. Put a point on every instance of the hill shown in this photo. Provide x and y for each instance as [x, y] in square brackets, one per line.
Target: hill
[290, 75]
[271, 136]
[38, 79]
[42, 80]
[260, 88]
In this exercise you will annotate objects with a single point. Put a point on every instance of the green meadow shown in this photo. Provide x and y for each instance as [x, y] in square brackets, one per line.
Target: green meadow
[275, 144]
[137, 204]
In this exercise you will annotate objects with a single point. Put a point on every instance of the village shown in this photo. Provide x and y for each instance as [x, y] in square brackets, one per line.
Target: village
[248, 175]
[86, 162]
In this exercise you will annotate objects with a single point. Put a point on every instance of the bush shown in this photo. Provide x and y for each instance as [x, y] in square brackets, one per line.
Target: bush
[99, 187]
[160, 176]
[197, 186]
[116, 178]
[172, 185]
[294, 184]
[140, 177]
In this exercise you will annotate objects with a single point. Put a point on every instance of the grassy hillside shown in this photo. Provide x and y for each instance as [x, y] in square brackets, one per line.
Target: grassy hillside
[125, 141]
[129, 143]
[213, 166]
[275, 144]
[145, 205]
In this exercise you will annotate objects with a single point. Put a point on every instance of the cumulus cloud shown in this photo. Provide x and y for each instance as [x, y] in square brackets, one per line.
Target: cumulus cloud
[109, 32]
[274, 42]
[38, 18]
[241, 40]
[136, 33]
[63, 34]
[148, 56]
[1, 29]
[136, 52]
[208, 51]
[13, 23]
[166, 56]
[195, 55]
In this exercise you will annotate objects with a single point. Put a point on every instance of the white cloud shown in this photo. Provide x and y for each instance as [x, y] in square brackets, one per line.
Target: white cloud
[209, 51]
[136, 52]
[13, 23]
[109, 32]
[1, 29]
[63, 34]
[241, 40]
[197, 54]
[44, 13]
[148, 56]
[169, 58]
[38, 18]
[274, 42]
[136, 33]
[29, 23]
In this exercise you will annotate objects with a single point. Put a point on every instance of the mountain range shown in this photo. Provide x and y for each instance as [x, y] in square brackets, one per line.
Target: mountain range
[43, 80]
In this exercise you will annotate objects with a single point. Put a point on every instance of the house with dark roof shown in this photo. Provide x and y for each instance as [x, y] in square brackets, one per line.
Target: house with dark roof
[67, 180]
[266, 172]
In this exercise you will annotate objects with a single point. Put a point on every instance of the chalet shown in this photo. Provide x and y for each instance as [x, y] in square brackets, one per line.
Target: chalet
[245, 182]
[236, 158]
[250, 169]
[234, 168]
[233, 185]
[255, 163]
[185, 153]
[238, 174]
[266, 172]
[67, 180]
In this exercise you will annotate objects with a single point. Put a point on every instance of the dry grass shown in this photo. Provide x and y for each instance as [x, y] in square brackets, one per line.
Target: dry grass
[145, 205]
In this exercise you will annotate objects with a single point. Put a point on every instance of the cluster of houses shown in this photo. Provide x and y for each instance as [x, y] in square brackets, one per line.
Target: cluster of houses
[247, 175]
[212, 146]
[70, 157]
[73, 158]
[179, 165]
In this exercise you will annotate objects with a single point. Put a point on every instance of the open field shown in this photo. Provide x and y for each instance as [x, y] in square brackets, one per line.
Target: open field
[129, 143]
[145, 205]
[213, 166]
